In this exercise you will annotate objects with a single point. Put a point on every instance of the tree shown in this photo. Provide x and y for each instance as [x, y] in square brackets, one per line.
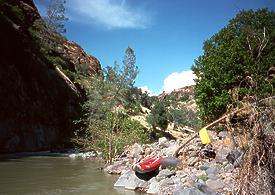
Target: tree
[55, 16]
[235, 63]
[181, 116]
[159, 116]
[107, 127]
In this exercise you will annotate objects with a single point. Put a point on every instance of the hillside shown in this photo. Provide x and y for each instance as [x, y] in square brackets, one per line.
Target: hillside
[39, 98]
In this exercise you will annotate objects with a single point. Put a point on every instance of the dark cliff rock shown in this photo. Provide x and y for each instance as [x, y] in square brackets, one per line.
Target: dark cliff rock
[38, 102]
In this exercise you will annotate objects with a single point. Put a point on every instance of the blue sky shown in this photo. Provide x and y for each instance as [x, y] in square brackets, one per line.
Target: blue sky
[166, 35]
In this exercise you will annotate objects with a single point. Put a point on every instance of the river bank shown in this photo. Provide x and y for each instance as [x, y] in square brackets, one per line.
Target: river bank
[202, 169]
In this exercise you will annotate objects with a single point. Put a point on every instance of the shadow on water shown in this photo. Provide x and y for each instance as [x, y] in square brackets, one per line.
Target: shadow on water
[13, 156]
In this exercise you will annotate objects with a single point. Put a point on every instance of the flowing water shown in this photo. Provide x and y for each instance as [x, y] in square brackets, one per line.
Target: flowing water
[55, 175]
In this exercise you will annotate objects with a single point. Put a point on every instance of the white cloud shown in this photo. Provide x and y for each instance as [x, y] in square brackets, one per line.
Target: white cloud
[177, 80]
[111, 14]
[150, 92]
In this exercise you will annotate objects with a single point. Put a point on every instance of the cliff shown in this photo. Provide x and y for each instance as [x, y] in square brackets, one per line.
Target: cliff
[187, 92]
[38, 99]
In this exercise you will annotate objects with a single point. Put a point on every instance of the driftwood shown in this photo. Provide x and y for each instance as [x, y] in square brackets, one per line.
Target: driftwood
[176, 154]
[186, 129]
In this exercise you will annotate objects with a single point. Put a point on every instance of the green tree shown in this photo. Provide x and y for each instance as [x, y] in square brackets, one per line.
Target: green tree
[184, 117]
[159, 116]
[107, 127]
[235, 63]
[55, 16]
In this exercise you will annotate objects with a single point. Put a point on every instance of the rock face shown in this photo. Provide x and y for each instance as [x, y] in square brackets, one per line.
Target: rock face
[187, 92]
[185, 95]
[38, 102]
[77, 56]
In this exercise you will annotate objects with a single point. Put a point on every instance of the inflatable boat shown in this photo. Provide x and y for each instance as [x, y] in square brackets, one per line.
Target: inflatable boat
[149, 164]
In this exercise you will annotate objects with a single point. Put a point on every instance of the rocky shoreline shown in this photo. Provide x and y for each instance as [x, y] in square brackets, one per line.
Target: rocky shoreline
[210, 169]
[202, 169]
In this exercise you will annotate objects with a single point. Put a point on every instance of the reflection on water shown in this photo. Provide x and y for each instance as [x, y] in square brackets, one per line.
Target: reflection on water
[55, 175]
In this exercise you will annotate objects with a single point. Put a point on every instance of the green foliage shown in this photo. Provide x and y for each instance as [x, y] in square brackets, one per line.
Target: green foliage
[169, 100]
[18, 13]
[159, 116]
[146, 100]
[184, 98]
[49, 42]
[45, 38]
[237, 57]
[107, 127]
[55, 16]
[184, 117]
[82, 69]
[55, 60]
[203, 177]
[133, 101]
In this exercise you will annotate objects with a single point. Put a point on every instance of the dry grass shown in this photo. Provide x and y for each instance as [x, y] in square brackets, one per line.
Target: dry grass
[254, 129]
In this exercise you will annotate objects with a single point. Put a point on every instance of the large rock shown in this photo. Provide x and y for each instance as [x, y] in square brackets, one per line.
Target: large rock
[129, 181]
[163, 142]
[134, 151]
[165, 173]
[169, 162]
[123, 179]
[38, 102]
[153, 187]
[77, 56]
[170, 150]
[118, 167]
[215, 184]
[188, 191]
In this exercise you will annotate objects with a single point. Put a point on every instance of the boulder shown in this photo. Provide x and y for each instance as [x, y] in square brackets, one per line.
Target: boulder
[170, 150]
[212, 170]
[118, 167]
[153, 187]
[123, 179]
[165, 173]
[188, 191]
[133, 182]
[215, 184]
[135, 151]
[163, 142]
[169, 162]
[204, 188]
[129, 181]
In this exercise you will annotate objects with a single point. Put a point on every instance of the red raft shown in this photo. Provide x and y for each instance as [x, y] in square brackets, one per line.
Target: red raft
[149, 164]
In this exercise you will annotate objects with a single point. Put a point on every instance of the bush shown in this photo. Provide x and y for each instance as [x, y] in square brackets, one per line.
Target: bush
[159, 116]
[184, 117]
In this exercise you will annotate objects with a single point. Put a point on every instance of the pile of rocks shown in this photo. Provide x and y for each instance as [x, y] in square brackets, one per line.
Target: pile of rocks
[203, 169]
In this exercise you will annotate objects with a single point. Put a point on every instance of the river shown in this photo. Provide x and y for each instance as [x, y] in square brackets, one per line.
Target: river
[55, 175]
